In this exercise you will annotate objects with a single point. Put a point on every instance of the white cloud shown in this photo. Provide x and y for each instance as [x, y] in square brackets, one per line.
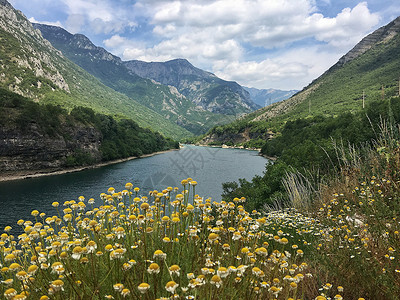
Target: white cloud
[115, 41]
[293, 69]
[267, 24]
[220, 35]
[166, 31]
[57, 23]
[75, 22]
[102, 16]
[349, 26]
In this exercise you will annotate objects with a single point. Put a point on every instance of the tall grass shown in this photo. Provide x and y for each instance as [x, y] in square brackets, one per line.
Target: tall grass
[359, 212]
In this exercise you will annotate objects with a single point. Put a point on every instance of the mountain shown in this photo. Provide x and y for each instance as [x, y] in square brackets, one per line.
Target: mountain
[32, 67]
[112, 72]
[265, 97]
[202, 88]
[368, 72]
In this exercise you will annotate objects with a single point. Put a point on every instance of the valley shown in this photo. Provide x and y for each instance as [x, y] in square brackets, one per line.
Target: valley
[117, 123]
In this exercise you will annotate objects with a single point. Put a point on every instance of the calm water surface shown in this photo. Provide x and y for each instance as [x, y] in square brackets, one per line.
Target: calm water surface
[210, 167]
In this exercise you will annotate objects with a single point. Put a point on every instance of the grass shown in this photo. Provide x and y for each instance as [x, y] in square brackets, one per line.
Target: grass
[358, 213]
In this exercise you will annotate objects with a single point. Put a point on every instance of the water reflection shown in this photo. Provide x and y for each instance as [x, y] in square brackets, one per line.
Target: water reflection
[210, 167]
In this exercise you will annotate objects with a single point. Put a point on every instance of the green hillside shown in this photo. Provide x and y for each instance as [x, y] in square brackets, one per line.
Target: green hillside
[31, 67]
[376, 73]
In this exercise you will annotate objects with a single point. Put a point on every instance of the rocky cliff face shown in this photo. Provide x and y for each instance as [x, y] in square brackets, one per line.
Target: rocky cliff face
[29, 61]
[32, 151]
[203, 88]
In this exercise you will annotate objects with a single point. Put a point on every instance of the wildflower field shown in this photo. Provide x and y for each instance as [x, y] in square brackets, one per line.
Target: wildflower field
[174, 244]
[170, 244]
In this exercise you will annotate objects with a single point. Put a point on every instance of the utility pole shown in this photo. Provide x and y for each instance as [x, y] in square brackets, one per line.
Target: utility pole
[399, 86]
[363, 99]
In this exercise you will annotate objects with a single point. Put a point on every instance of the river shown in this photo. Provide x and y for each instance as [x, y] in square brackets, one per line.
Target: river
[210, 167]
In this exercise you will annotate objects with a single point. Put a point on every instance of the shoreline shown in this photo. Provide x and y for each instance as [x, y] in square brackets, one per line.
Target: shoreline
[272, 158]
[42, 173]
[229, 147]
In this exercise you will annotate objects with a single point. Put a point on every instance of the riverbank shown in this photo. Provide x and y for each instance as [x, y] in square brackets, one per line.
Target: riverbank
[18, 175]
[272, 158]
[228, 147]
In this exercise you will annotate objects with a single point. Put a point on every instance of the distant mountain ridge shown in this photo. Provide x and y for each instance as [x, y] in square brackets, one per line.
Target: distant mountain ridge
[265, 97]
[203, 88]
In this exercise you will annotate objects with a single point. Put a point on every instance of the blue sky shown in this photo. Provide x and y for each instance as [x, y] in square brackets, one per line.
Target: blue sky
[282, 44]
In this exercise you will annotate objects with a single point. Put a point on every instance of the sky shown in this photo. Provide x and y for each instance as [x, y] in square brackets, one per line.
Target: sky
[281, 44]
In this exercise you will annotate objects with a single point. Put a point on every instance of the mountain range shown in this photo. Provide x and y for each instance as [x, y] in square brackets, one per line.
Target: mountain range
[265, 97]
[174, 97]
[112, 71]
[202, 88]
[191, 97]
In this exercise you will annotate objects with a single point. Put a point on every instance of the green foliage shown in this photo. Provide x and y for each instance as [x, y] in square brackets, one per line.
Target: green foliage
[79, 158]
[308, 144]
[123, 138]
[260, 190]
[46, 117]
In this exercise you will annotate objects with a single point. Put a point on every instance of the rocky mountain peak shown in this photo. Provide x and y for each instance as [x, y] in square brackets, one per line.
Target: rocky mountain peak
[203, 88]
[165, 72]
[59, 36]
